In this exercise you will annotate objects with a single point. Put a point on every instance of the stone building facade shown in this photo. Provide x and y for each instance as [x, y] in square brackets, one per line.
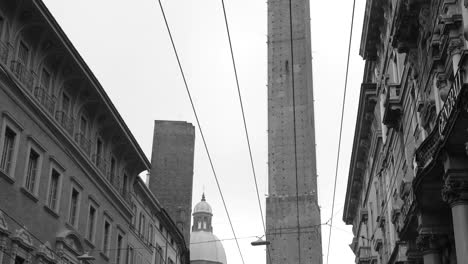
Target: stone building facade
[172, 170]
[292, 210]
[69, 165]
[407, 187]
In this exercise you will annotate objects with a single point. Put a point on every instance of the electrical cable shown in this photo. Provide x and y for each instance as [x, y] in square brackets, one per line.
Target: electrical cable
[341, 127]
[200, 128]
[294, 130]
[244, 121]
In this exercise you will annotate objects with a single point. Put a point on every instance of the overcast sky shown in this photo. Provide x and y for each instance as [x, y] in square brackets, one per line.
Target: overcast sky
[126, 45]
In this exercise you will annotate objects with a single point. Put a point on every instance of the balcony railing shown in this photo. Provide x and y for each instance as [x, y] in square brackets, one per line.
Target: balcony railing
[84, 143]
[23, 74]
[450, 103]
[426, 151]
[47, 101]
[102, 164]
[65, 121]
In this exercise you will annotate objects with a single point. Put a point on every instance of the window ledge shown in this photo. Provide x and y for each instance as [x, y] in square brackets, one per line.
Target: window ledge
[104, 256]
[50, 211]
[70, 226]
[29, 195]
[89, 243]
[6, 177]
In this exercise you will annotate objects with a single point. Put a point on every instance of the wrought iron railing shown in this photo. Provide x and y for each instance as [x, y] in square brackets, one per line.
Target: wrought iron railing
[23, 74]
[84, 143]
[47, 101]
[450, 103]
[65, 121]
[426, 151]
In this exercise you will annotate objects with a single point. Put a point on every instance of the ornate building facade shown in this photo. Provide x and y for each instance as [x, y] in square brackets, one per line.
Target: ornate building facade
[407, 187]
[69, 165]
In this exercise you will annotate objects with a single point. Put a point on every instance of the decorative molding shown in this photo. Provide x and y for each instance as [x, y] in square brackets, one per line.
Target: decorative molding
[455, 190]
[429, 242]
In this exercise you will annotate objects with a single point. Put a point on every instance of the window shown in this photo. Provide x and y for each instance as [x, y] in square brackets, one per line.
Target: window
[45, 79]
[2, 24]
[106, 238]
[31, 172]
[159, 255]
[74, 207]
[65, 103]
[83, 126]
[130, 255]
[23, 53]
[124, 185]
[118, 257]
[112, 170]
[6, 159]
[92, 215]
[141, 227]
[150, 234]
[98, 149]
[134, 210]
[54, 186]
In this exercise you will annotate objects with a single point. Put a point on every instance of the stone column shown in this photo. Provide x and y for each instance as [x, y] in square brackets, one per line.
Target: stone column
[455, 47]
[464, 11]
[2, 246]
[14, 251]
[428, 244]
[455, 192]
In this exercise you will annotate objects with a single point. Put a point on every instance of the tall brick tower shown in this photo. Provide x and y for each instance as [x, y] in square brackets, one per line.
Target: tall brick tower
[172, 170]
[292, 211]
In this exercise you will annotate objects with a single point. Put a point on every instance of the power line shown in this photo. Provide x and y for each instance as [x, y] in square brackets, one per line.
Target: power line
[200, 128]
[341, 127]
[244, 121]
[294, 130]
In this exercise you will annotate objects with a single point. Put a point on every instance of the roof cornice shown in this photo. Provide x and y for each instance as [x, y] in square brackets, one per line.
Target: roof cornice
[365, 116]
[41, 7]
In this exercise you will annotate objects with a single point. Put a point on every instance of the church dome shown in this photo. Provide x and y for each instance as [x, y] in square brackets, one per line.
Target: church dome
[204, 246]
[202, 207]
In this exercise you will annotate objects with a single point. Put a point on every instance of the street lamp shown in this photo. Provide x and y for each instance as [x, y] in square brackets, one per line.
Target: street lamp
[260, 242]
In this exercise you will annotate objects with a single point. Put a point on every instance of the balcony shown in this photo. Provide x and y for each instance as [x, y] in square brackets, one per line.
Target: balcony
[23, 74]
[102, 164]
[84, 143]
[47, 101]
[65, 121]
[363, 255]
[427, 151]
[392, 105]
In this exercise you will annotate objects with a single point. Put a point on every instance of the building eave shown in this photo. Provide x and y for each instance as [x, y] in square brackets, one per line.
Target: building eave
[373, 18]
[367, 101]
[144, 163]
